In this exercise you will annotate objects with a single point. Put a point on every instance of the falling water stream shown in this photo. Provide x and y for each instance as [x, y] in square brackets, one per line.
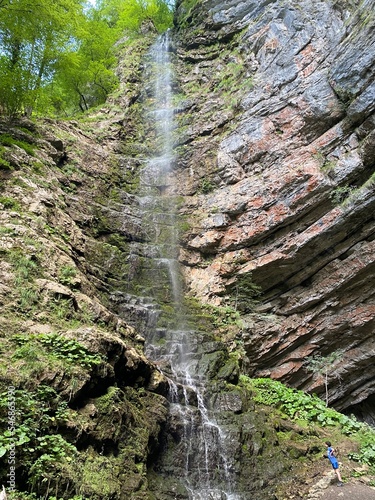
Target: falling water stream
[201, 445]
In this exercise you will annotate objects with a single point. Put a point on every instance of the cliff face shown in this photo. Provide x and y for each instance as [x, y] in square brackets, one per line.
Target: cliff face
[85, 397]
[275, 144]
[277, 163]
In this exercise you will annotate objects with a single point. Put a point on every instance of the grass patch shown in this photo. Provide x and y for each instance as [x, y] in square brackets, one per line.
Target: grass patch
[8, 140]
[10, 203]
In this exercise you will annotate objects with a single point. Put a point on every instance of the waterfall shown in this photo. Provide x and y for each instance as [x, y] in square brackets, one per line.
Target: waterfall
[200, 448]
[159, 212]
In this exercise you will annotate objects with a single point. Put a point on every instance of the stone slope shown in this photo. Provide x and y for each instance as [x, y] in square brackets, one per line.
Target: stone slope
[86, 396]
[277, 141]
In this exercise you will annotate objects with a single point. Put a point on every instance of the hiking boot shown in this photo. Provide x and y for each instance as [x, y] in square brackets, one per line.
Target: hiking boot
[340, 484]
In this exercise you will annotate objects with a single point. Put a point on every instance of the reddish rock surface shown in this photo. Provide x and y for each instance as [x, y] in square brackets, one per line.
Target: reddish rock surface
[285, 194]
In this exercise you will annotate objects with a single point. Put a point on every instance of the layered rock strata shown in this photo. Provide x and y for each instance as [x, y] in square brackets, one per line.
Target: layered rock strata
[277, 166]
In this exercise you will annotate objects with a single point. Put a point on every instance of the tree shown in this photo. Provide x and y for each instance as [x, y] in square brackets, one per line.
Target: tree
[86, 75]
[128, 15]
[58, 54]
[245, 293]
[32, 37]
[324, 365]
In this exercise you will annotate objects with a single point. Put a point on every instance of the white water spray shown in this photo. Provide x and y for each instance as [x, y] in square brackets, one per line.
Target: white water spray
[206, 468]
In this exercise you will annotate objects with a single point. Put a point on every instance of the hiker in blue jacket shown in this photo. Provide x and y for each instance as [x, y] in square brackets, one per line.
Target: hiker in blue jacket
[334, 462]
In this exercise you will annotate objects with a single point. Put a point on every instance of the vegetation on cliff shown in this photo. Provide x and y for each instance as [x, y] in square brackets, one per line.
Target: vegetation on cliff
[87, 423]
[85, 411]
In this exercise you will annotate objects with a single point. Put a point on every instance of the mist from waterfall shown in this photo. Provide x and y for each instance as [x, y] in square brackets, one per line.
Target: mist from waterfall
[205, 468]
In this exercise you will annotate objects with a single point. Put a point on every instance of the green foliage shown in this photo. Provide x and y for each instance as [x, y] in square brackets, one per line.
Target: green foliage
[129, 15]
[245, 293]
[33, 37]
[340, 194]
[295, 404]
[10, 203]
[8, 140]
[4, 230]
[24, 266]
[38, 447]
[25, 269]
[66, 275]
[27, 298]
[220, 318]
[206, 186]
[59, 347]
[366, 455]
[55, 450]
[4, 164]
[370, 183]
[301, 406]
[21, 495]
[110, 400]
[186, 11]
[60, 57]
[232, 77]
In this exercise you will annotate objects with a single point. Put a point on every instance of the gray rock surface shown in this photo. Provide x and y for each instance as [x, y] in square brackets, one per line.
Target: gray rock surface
[283, 192]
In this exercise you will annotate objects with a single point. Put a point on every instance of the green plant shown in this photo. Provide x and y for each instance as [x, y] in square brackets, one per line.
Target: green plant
[61, 308]
[4, 230]
[245, 293]
[8, 140]
[366, 453]
[24, 266]
[10, 203]
[5, 165]
[206, 186]
[34, 412]
[55, 452]
[328, 165]
[231, 75]
[27, 298]
[301, 406]
[222, 318]
[69, 350]
[25, 270]
[37, 167]
[324, 365]
[67, 274]
[340, 194]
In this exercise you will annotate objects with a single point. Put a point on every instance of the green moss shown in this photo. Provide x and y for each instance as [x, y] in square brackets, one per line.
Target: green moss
[100, 477]
[109, 402]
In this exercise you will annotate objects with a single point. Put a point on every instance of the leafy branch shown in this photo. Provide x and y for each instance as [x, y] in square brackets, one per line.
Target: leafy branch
[324, 365]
